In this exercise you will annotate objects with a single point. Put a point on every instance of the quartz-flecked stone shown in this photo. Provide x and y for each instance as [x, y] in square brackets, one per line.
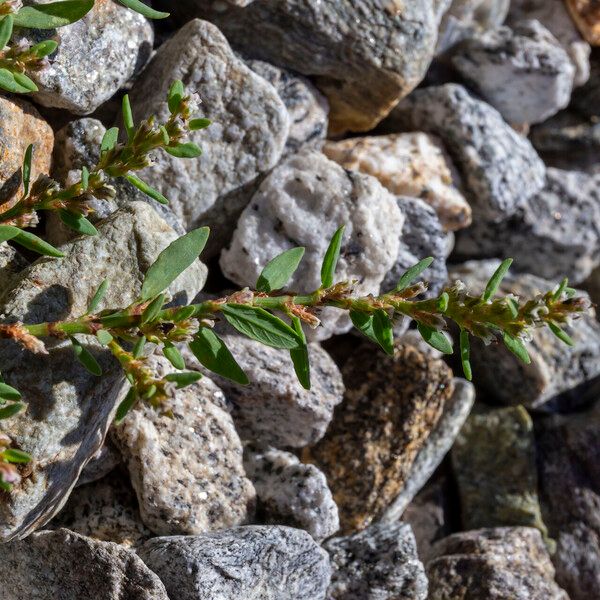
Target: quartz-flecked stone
[495, 564]
[249, 129]
[274, 408]
[523, 72]
[96, 56]
[500, 169]
[554, 235]
[379, 563]
[267, 562]
[408, 164]
[186, 469]
[291, 493]
[555, 367]
[390, 407]
[302, 203]
[68, 409]
[365, 55]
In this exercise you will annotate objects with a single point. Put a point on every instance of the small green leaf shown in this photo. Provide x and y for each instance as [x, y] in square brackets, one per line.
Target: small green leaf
[516, 346]
[98, 297]
[173, 261]
[332, 255]
[9, 83]
[104, 337]
[84, 356]
[24, 81]
[173, 355]
[411, 274]
[364, 323]
[144, 9]
[496, 280]
[262, 326]
[53, 15]
[165, 135]
[27, 169]
[33, 242]
[436, 339]
[148, 190]
[138, 349]
[176, 94]
[196, 124]
[128, 117]
[561, 288]
[6, 29]
[8, 232]
[184, 379]
[513, 305]
[184, 313]
[77, 223]
[85, 178]
[562, 335]
[465, 354]
[110, 139]
[443, 302]
[184, 150]
[44, 48]
[384, 333]
[8, 392]
[278, 271]
[12, 455]
[212, 352]
[11, 410]
[151, 311]
[299, 356]
[125, 406]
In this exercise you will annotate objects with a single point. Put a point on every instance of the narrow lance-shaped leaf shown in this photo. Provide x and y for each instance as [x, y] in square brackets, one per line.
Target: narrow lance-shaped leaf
[8, 232]
[10, 84]
[77, 223]
[173, 355]
[104, 337]
[560, 289]
[184, 379]
[27, 169]
[33, 242]
[126, 405]
[562, 335]
[25, 81]
[53, 15]
[516, 346]
[332, 255]
[144, 9]
[6, 29]
[151, 311]
[299, 356]
[411, 274]
[384, 333]
[12, 455]
[138, 348]
[44, 48]
[98, 296]
[8, 392]
[109, 140]
[496, 280]
[128, 117]
[278, 271]
[184, 150]
[197, 124]
[436, 339]
[85, 357]
[465, 354]
[147, 189]
[176, 93]
[85, 178]
[10, 410]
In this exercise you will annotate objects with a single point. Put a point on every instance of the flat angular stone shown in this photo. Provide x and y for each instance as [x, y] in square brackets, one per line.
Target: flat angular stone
[68, 409]
[500, 169]
[266, 562]
[291, 493]
[187, 469]
[64, 564]
[408, 164]
[378, 563]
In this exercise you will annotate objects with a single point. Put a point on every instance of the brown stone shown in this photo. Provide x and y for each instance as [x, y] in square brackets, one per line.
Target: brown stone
[586, 14]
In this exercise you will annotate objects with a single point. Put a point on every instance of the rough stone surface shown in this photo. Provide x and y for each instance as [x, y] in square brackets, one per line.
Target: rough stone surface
[364, 55]
[302, 203]
[440, 440]
[11, 263]
[269, 562]
[500, 169]
[494, 464]
[379, 563]
[274, 408]
[555, 367]
[554, 16]
[62, 564]
[408, 164]
[555, 235]
[21, 125]
[101, 464]
[250, 126]
[68, 409]
[495, 564]
[96, 56]
[291, 493]
[187, 469]
[390, 407]
[523, 72]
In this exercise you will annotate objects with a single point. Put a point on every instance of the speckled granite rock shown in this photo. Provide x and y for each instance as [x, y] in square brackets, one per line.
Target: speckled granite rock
[187, 470]
[554, 16]
[21, 125]
[390, 407]
[11, 263]
[68, 409]
[569, 453]
[364, 55]
[302, 203]
[96, 56]
[495, 564]
[500, 169]
[586, 14]
[268, 562]
[308, 108]
[291, 493]
[494, 464]
[555, 235]
[555, 367]
[523, 72]
[379, 563]
[408, 164]
[274, 408]
[105, 510]
[101, 464]
[436, 446]
[62, 564]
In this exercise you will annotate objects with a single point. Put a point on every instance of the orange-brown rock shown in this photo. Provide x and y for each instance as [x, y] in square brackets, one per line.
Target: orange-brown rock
[586, 14]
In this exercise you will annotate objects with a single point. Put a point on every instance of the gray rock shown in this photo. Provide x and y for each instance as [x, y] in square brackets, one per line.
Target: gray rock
[379, 563]
[11, 263]
[268, 562]
[365, 55]
[308, 108]
[302, 203]
[187, 469]
[250, 126]
[101, 464]
[274, 408]
[495, 564]
[523, 72]
[455, 412]
[554, 16]
[500, 169]
[96, 56]
[68, 409]
[554, 235]
[291, 493]
[555, 367]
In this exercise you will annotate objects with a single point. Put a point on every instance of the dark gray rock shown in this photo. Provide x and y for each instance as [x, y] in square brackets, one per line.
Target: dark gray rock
[101, 464]
[268, 562]
[586, 99]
